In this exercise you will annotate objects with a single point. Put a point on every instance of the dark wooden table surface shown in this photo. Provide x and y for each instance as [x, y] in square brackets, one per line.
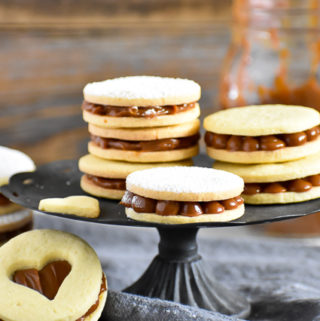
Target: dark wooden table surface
[51, 49]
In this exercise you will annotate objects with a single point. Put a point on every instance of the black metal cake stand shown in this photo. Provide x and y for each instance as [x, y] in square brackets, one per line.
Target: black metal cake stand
[177, 272]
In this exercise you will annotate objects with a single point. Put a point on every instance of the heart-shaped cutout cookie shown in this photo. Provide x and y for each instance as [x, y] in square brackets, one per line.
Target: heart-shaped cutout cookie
[47, 281]
[77, 293]
[84, 206]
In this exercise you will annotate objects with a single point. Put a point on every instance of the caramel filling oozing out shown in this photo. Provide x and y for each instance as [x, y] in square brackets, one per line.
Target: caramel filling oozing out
[48, 281]
[4, 201]
[266, 143]
[151, 145]
[135, 111]
[296, 185]
[109, 183]
[142, 204]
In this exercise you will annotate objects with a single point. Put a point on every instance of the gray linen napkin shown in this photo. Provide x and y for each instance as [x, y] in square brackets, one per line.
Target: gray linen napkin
[279, 277]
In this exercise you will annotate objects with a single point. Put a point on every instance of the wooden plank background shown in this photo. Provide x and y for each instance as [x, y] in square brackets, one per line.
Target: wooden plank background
[50, 49]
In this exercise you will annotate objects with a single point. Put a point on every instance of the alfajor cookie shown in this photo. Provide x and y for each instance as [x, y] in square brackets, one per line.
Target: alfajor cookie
[11, 162]
[141, 101]
[50, 275]
[170, 143]
[15, 223]
[106, 178]
[262, 134]
[179, 195]
[287, 182]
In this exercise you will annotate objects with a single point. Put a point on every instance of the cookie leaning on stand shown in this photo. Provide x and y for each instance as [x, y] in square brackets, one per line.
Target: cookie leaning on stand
[50, 275]
[141, 101]
[13, 218]
[287, 182]
[12, 162]
[106, 178]
[179, 195]
[262, 134]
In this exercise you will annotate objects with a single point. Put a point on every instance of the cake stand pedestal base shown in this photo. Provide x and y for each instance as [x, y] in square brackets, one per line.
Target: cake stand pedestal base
[177, 274]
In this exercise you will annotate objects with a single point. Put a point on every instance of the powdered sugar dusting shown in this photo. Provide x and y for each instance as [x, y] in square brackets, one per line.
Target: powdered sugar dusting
[13, 161]
[184, 179]
[142, 87]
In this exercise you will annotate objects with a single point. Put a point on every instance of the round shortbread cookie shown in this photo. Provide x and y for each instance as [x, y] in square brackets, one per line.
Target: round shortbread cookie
[262, 120]
[13, 221]
[273, 156]
[228, 215]
[132, 122]
[189, 184]
[282, 198]
[10, 208]
[12, 162]
[141, 156]
[266, 173]
[98, 191]
[151, 133]
[76, 295]
[100, 167]
[142, 91]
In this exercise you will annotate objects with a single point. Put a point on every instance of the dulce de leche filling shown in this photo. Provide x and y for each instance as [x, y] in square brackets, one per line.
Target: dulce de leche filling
[109, 183]
[4, 201]
[142, 204]
[266, 143]
[150, 146]
[296, 185]
[48, 281]
[135, 111]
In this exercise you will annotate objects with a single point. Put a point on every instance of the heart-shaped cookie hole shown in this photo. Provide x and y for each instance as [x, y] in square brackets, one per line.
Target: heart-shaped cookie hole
[47, 281]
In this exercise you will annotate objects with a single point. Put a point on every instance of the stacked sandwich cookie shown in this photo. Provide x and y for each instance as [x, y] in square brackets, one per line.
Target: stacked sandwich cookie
[274, 148]
[107, 178]
[179, 195]
[135, 123]
[13, 218]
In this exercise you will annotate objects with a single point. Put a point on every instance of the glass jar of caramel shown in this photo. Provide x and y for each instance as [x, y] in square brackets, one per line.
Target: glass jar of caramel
[274, 57]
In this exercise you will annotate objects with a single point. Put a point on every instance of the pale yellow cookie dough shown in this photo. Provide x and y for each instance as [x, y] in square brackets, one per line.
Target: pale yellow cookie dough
[187, 184]
[95, 315]
[78, 292]
[131, 122]
[97, 166]
[282, 198]
[143, 156]
[83, 206]
[226, 216]
[151, 133]
[142, 91]
[99, 191]
[255, 157]
[262, 120]
[267, 173]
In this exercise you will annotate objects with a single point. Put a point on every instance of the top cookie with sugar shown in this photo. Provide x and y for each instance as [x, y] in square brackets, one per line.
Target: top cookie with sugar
[142, 91]
[12, 162]
[262, 120]
[181, 183]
